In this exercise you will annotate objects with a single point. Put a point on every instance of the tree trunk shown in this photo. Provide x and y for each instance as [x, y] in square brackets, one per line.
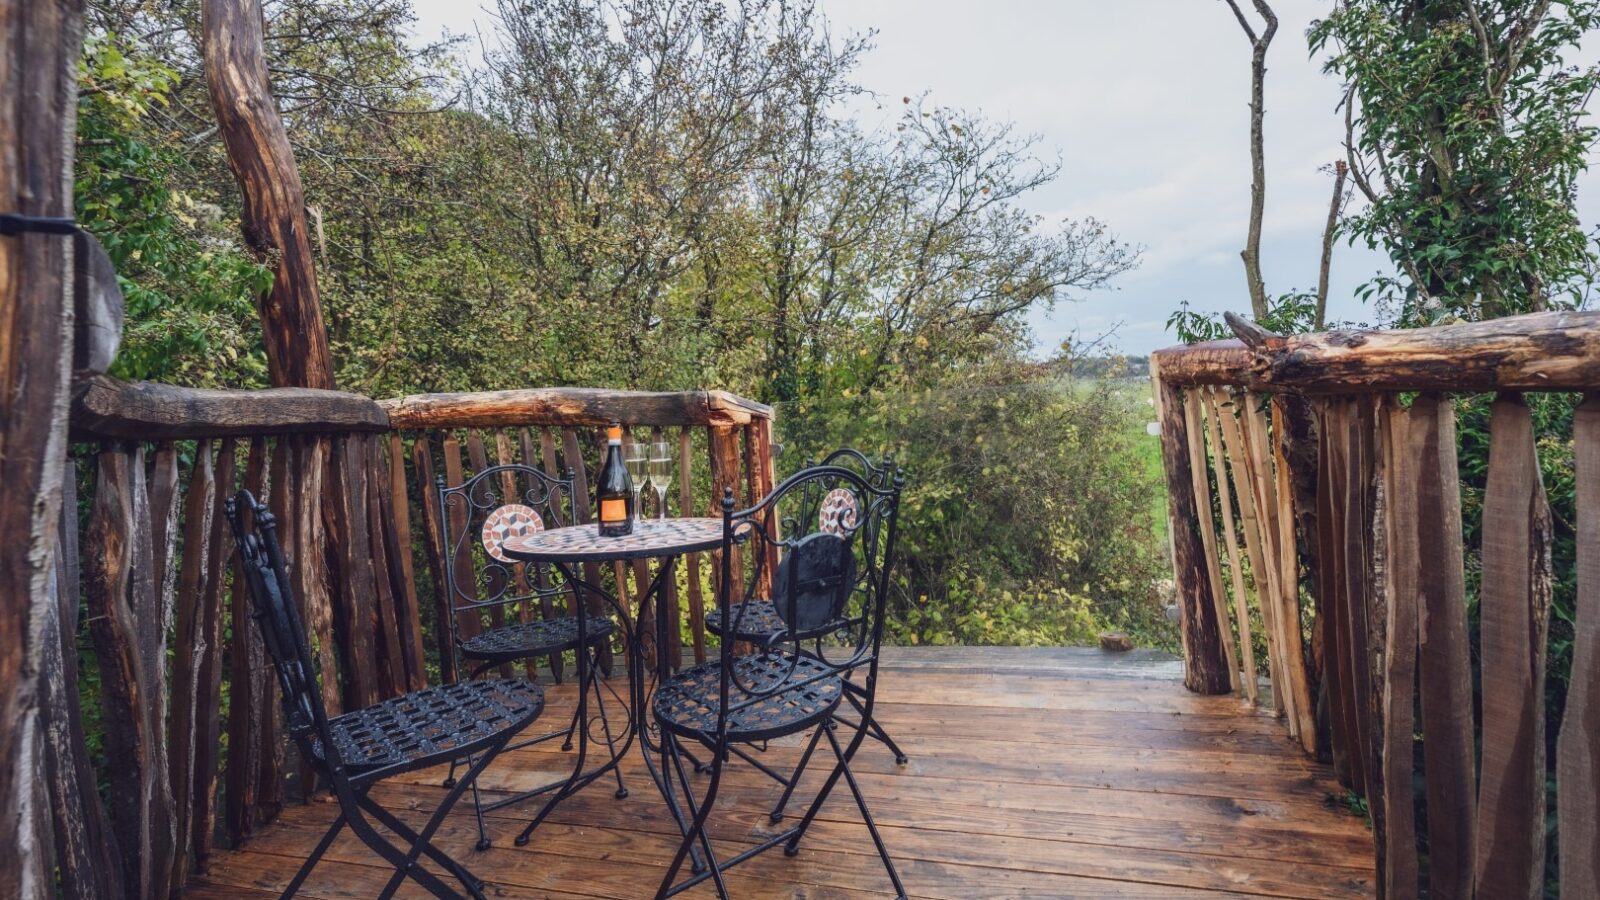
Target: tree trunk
[274, 220]
[39, 47]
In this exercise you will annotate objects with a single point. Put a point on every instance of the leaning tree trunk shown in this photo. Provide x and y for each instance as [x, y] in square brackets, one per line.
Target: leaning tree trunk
[39, 46]
[274, 223]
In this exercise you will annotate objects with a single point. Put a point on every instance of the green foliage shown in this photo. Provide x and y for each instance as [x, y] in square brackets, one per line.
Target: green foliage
[1029, 515]
[1468, 133]
[1291, 313]
[188, 286]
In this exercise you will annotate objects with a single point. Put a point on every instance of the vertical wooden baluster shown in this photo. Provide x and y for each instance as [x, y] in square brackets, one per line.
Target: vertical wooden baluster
[521, 577]
[1263, 575]
[355, 617]
[247, 707]
[1289, 558]
[1578, 745]
[1264, 482]
[1208, 531]
[199, 506]
[165, 501]
[88, 861]
[572, 456]
[641, 581]
[1398, 844]
[724, 450]
[478, 455]
[545, 458]
[391, 661]
[142, 805]
[397, 516]
[457, 550]
[1219, 454]
[438, 555]
[1334, 445]
[1514, 610]
[1444, 653]
[669, 589]
[282, 485]
[208, 663]
[311, 576]
[1205, 668]
[697, 604]
[764, 475]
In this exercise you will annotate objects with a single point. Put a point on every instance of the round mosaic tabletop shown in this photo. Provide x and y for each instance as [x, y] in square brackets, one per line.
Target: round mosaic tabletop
[583, 543]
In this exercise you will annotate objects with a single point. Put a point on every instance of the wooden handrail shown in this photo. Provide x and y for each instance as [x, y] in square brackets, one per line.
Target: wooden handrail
[104, 408]
[1549, 351]
[571, 406]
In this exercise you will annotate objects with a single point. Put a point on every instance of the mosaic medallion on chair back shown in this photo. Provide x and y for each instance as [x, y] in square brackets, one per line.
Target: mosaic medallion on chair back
[511, 520]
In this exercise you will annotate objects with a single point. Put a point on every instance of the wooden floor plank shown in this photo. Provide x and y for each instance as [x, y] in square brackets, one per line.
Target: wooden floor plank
[1032, 781]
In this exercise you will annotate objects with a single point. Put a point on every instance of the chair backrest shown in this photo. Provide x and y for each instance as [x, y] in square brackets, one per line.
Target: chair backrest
[833, 532]
[477, 516]
[266, 577]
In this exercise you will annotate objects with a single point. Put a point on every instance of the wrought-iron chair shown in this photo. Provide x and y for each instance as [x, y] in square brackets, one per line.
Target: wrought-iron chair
[354, 751]
[835, 533]
[759, 618]
[478, 516]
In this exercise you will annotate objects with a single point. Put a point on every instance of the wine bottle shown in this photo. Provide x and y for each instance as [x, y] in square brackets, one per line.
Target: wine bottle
[614, 489]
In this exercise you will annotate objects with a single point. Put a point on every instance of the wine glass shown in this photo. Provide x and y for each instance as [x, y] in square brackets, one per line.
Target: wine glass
[636, 456]
[661, 475]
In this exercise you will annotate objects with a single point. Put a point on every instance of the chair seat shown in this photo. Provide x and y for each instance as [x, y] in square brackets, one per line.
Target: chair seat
[537, 638]
[760, 621]
[756, 619]
[432, 726]
[687, 703]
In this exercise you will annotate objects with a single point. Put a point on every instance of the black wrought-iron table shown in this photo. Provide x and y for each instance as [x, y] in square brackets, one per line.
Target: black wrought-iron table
[664, 540]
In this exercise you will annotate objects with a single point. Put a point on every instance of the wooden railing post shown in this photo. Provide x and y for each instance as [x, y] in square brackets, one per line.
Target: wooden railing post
[1206, 668]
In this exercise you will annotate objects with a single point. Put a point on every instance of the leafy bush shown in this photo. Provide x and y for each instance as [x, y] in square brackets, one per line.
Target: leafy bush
[1030, 511]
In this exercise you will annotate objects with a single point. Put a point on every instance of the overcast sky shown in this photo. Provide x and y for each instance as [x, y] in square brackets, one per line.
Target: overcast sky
[1145, 103]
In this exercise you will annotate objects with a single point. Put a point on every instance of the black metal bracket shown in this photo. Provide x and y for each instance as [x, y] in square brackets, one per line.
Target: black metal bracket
[17, 223]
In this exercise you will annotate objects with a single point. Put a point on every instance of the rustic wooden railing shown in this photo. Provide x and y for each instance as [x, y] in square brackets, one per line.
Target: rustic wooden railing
[1314, 492]
[179, 662]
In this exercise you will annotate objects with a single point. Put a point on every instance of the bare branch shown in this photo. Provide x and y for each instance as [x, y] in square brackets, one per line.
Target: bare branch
[1340, 170]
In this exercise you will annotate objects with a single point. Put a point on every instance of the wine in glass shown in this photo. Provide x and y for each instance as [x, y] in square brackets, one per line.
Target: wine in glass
[636, 456]
[660, 471]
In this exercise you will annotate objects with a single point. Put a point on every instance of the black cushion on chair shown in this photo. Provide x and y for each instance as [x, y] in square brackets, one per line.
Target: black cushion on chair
[687, 703]
[431, 726]
[511, 642]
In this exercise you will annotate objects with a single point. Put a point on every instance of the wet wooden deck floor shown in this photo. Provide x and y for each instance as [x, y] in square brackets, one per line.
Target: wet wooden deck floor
[1033, 773]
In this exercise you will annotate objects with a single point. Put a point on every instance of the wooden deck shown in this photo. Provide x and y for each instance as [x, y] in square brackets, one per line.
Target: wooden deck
[1034, 772]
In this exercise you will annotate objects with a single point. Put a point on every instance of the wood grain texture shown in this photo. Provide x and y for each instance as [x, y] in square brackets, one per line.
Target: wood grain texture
[1020, 790]
[1547, 351]
[1578, 746]
[104, 407]
[1397, 842]
[87, 859]
[249, 693]
[274, 211]
[402, 574]
[40, 47]
[1444, 675]
[571, 407]
[1514, 610]
[433, 544]
[1194, 419]
[1219, 470]
[1206, 664]
[355, 619]
[141, 801]
[208, 659]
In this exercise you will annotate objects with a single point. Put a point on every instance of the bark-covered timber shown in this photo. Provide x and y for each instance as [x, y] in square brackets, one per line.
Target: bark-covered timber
[571, 407]
[1205, 663]
[39, 48]
[1548, 351]
[106, 408]
[274, 216]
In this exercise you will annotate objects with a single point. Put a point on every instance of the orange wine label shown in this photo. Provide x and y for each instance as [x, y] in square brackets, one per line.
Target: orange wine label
[613, 510]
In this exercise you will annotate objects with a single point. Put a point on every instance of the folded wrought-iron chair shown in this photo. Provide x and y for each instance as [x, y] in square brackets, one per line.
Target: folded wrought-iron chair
[830, 534]
[759, 619]
[354, 751]
[513, 608]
